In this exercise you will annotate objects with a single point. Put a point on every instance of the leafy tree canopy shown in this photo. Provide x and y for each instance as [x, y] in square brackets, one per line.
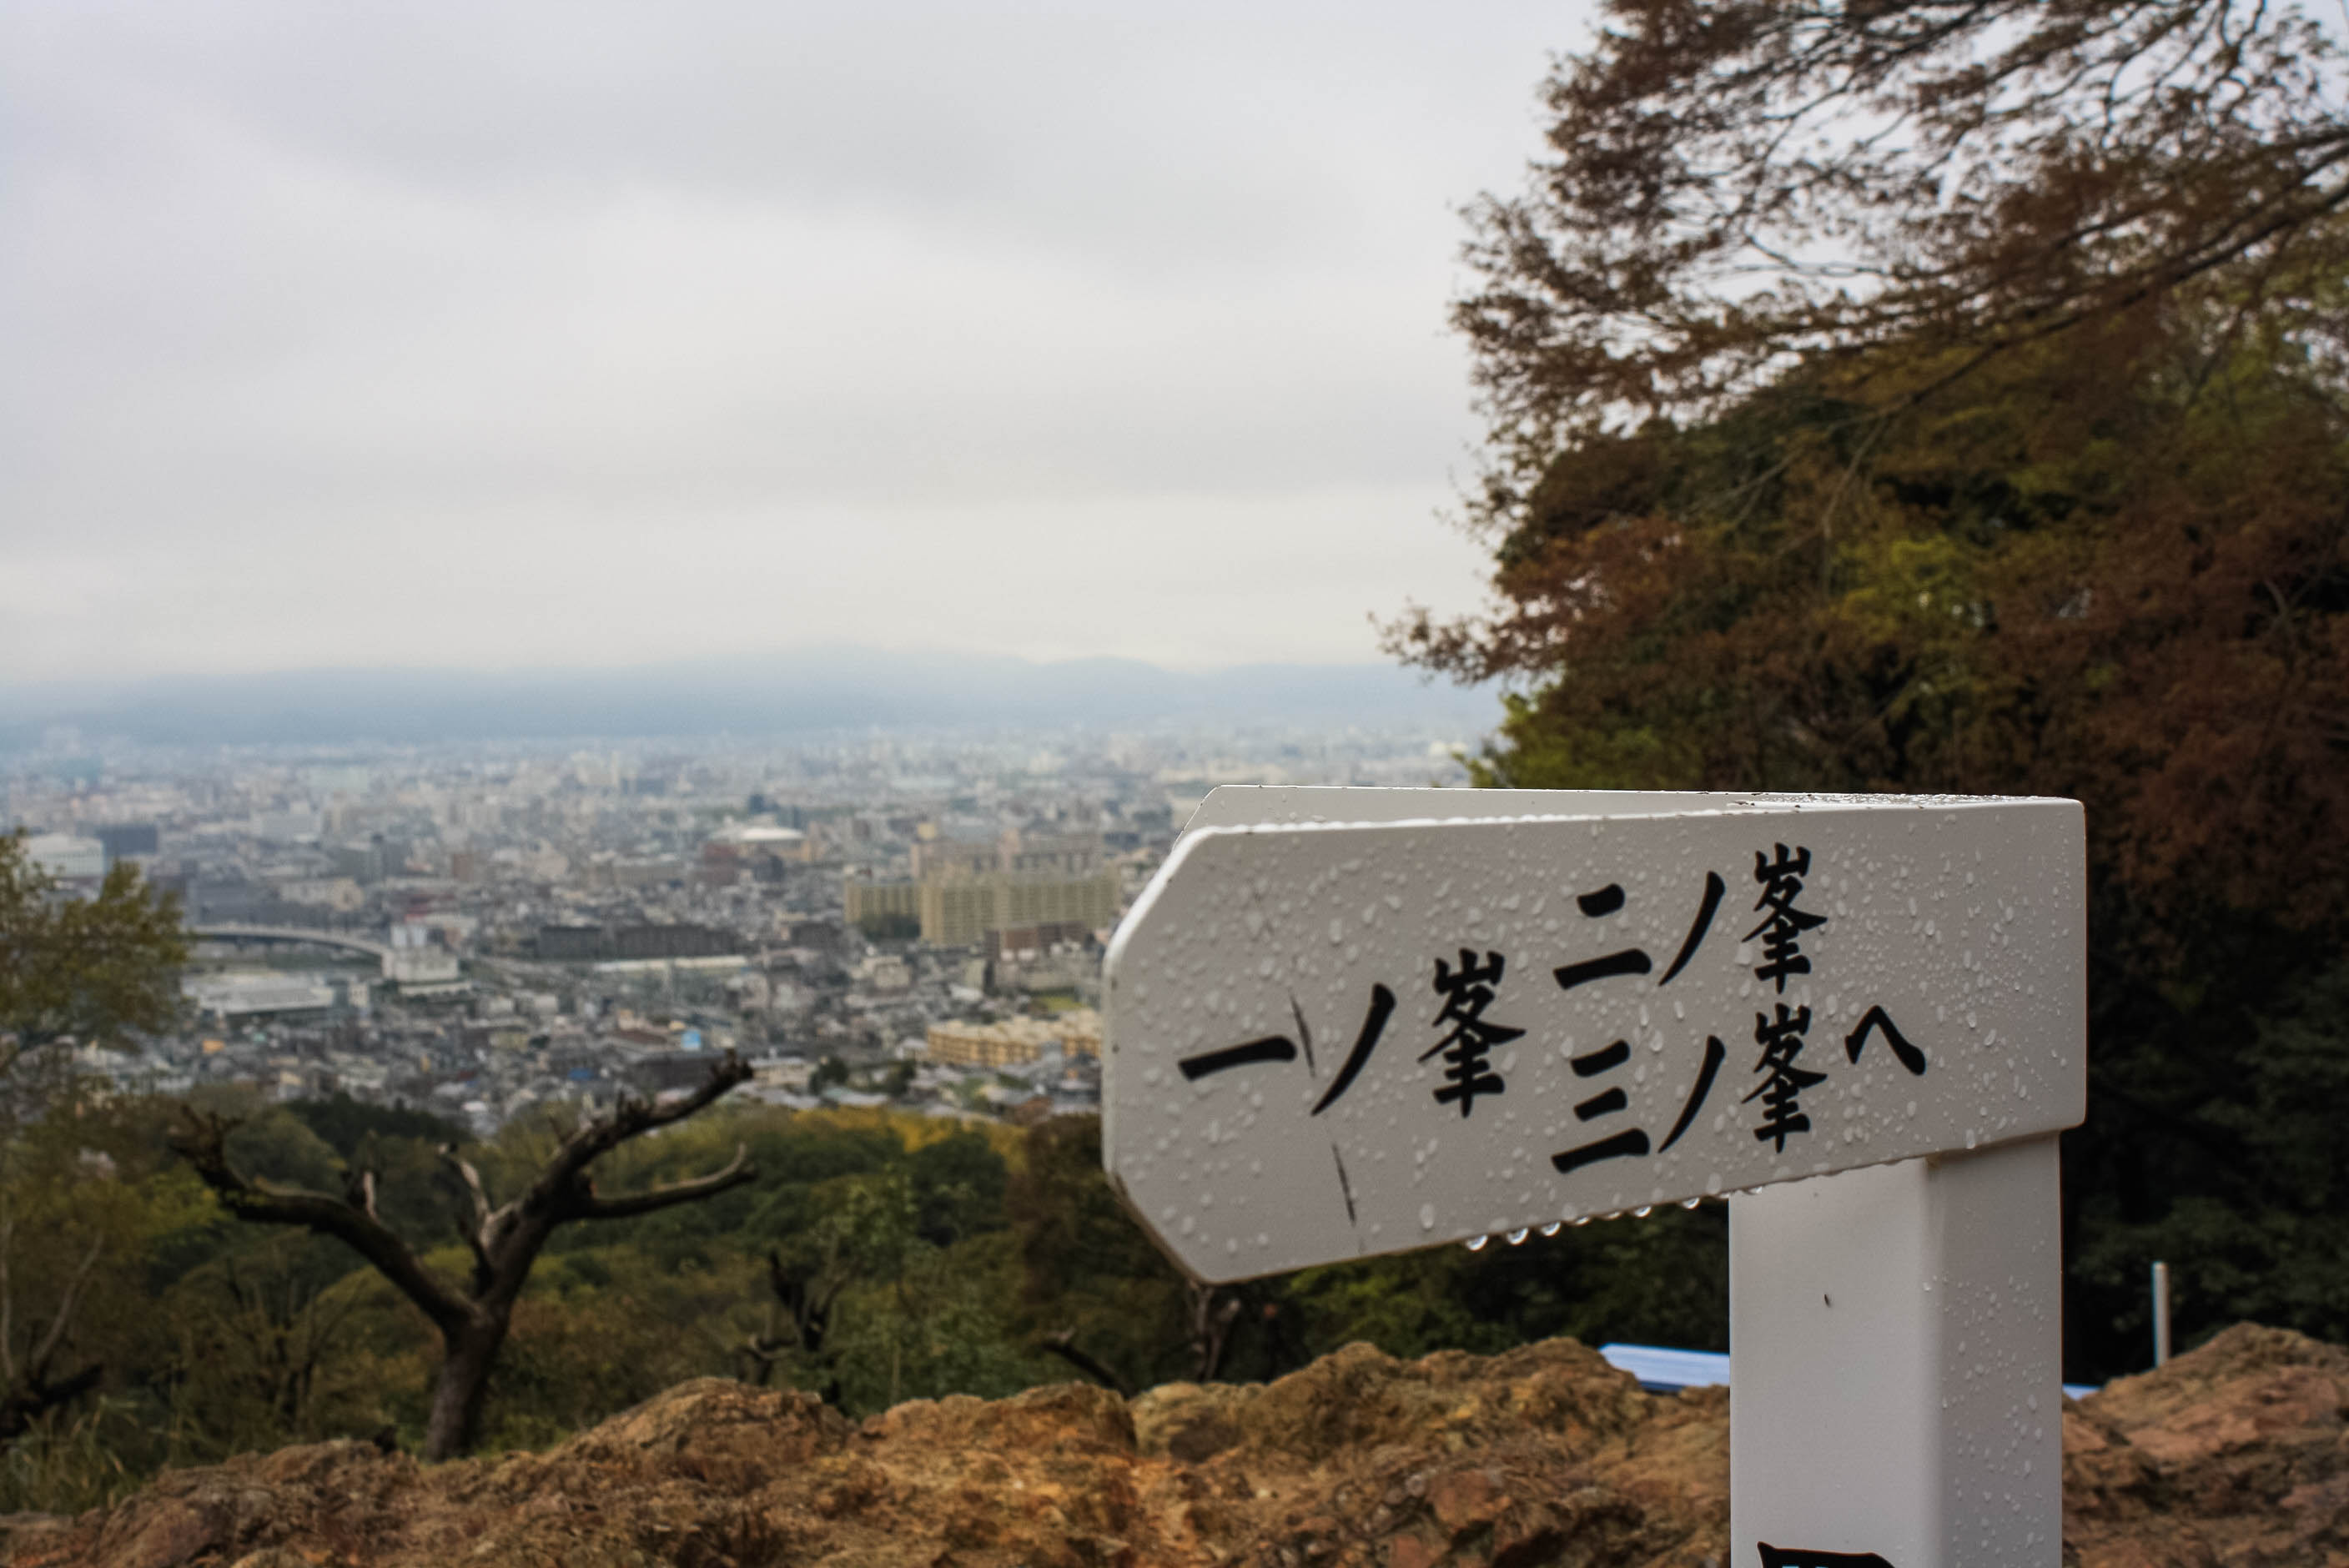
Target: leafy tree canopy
[102, 969]
[1944, 397]
[1740, 185]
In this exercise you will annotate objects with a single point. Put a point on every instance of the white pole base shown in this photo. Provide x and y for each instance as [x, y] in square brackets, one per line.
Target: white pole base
[1895, 1366]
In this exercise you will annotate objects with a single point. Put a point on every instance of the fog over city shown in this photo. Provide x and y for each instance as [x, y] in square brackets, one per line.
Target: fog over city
[593, 334]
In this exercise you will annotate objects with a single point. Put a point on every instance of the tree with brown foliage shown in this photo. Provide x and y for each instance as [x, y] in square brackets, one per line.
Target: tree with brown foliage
[505, 1240]
[1738, 186]
[1950, 396]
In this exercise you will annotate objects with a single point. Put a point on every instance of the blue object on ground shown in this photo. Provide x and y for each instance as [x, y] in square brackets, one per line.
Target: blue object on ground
[1665, 1371]
[1661, 1371]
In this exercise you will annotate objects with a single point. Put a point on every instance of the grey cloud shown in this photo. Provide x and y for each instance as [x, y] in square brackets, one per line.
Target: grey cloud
[285, 283]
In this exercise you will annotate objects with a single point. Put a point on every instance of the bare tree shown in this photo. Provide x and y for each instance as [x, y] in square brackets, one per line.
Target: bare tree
[505, 1239]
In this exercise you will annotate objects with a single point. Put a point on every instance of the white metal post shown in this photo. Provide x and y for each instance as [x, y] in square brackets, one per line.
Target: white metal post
[1895, 1347]
[2160, 1314]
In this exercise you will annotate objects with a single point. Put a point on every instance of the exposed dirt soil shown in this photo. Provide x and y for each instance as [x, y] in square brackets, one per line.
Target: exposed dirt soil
[2235, 1455]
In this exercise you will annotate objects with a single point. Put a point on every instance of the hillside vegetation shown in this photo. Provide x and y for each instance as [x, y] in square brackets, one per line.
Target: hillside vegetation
[877, 1258]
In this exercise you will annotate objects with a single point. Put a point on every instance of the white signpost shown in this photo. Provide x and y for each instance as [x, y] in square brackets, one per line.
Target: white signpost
[1344, 1022]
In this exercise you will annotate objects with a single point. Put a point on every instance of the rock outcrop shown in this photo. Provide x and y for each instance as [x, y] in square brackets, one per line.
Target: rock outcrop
[2236, 1454]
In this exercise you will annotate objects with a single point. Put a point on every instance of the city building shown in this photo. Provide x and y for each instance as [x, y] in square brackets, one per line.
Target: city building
[633, 943]
[66, 856]
[872, 903]
[240, 993]
[1016, 1042]
[963, 889]
[131, 842]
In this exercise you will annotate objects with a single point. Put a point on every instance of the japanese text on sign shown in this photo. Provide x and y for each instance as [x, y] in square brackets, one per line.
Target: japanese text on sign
[1464, 1027]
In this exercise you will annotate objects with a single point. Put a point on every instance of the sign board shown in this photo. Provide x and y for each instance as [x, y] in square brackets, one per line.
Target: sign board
[1343, 1022]
[1437, 1015]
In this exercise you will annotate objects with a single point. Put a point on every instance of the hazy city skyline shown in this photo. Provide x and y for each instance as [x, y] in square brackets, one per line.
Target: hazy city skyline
[592, 335]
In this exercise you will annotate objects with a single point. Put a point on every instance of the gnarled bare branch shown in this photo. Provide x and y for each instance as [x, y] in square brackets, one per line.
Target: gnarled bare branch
[587, 1205]
[202, 1141]
[631, 1117]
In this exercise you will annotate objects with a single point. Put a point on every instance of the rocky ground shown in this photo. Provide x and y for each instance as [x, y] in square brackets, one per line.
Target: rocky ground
[2235, 1455]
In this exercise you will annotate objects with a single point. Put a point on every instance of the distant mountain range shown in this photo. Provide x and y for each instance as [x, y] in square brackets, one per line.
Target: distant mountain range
[817, 689]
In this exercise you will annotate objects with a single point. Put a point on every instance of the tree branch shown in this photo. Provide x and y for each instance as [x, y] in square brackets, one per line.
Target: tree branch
[202, 1142]
[562, 1180]
[1063, 1343]
[37, 1364]
[585, 1205]
[359, 1190]
[484, 1220]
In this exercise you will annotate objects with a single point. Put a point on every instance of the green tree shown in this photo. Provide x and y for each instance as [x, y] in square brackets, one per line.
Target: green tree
[958, 1184]
[266, 1347]
[99, 970]
[1090, 1278]
[83, 1202]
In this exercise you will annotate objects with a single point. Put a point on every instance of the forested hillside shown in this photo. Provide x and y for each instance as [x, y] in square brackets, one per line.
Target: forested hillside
[877, 1258]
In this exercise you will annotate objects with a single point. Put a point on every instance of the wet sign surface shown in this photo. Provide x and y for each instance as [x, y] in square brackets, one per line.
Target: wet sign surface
[1330, 1038]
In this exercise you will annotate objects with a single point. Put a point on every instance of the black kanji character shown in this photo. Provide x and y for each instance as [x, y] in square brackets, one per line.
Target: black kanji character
[1782, 883]
[1782, 1041]
[1466, 995]
[1630, 961]
[1633, 1142]
[1271, 1049]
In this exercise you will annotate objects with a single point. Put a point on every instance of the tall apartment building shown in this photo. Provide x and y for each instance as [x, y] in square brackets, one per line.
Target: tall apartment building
[963, 890]
[870, 900]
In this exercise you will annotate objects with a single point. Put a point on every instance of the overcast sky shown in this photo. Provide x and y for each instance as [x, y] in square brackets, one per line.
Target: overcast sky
[520, 335]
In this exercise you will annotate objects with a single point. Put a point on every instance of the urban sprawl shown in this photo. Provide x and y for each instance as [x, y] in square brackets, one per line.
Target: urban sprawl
[490, 932]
